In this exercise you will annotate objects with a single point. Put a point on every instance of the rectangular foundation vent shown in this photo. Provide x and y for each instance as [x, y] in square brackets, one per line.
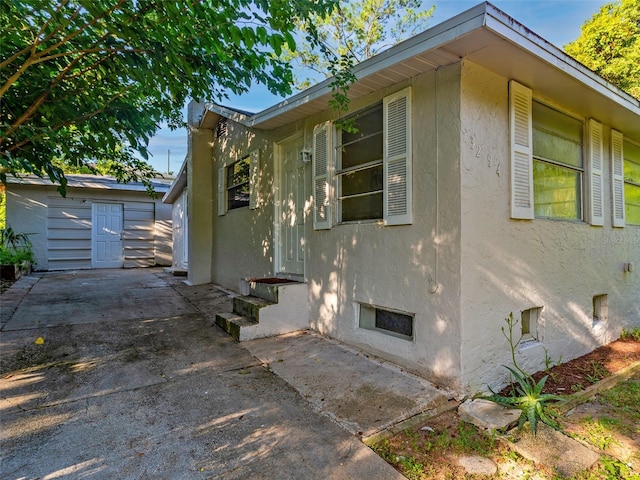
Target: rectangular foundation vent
[391, 322]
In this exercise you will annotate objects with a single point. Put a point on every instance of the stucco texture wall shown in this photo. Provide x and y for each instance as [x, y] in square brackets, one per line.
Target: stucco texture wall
[243, 238]
[410, 268]
[513, 265]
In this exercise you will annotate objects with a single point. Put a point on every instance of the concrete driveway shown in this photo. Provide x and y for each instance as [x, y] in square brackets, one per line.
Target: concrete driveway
[122, 374]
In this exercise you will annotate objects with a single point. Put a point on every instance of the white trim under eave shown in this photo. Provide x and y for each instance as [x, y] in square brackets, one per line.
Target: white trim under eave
[529, 41]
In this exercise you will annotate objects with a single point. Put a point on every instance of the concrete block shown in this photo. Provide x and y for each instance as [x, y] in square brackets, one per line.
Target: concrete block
[487, 414]
[477, 465]
[554, 449]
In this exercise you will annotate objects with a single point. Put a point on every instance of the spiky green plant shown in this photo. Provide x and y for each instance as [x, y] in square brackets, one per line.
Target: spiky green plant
[528, 395]
[530, 399]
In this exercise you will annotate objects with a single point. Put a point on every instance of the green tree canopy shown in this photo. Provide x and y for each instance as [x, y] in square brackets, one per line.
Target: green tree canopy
[359, 30]
[610, 44]
[89, 81]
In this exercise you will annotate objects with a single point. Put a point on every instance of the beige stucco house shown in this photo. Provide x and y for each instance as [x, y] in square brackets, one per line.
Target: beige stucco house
[490, 173]
[99, 224]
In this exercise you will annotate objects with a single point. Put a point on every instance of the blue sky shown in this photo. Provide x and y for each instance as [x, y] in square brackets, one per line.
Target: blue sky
[557, 21]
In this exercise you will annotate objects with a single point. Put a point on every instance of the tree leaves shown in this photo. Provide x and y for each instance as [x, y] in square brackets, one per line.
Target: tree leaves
[85, 81]
[609, 44]
[355, 31]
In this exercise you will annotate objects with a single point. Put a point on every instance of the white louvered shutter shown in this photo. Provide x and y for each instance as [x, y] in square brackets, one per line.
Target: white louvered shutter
[222, 191]
[617, 178]
[254, 179]
[397, 158]
[322, 177]
[596, 210]
[521, 135]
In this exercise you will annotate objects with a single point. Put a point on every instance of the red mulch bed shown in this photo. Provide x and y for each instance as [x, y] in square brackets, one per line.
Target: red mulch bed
[581, 372]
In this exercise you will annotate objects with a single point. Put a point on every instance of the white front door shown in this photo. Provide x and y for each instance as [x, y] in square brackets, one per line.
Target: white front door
[291, 208]
[106, 235]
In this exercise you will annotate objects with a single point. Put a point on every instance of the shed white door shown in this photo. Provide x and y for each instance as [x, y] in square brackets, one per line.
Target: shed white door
[106, 235]
[291, 208]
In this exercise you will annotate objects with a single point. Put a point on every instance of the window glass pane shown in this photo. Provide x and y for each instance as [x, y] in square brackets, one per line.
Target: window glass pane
[394, 322]
[238, 184]
[238, 172]
[556, 136]
[362, 146]
[632, 203]
[367, 207]
[556, 191]
[239, 196]
[366, 123]
[363, 151]
[631, 163]
[369, 180]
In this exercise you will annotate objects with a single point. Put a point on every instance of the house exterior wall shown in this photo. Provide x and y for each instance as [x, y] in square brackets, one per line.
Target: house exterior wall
[512, 265]
[179, 223]
[60, 227]
[243, 238]
[200, 200]
[411, 268]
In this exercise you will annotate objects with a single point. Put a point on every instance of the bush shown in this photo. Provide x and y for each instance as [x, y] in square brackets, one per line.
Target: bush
[15, 248]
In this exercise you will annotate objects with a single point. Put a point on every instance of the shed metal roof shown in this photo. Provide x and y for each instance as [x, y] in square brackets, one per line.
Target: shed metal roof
[92, 181]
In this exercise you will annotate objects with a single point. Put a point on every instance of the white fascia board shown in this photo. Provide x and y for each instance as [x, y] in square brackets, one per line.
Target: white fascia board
[224, 112]
[483, 15]
[516, 33]
[178, 185]
[432, 38]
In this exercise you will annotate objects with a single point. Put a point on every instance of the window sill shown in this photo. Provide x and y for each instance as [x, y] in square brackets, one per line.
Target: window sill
[362, 222]
[528, 344]
[567, 220]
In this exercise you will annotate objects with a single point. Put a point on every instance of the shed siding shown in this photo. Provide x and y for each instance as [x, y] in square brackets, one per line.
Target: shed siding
[60, 227]
[68, 233]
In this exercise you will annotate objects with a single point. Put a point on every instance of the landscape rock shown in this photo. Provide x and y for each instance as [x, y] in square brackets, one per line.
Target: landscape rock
[477, 465]
[487, 414]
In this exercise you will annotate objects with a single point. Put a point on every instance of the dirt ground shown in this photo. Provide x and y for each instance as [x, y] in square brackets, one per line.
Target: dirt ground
[582, 372]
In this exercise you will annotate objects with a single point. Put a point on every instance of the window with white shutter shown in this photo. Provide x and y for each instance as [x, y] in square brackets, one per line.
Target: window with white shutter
[617, 178]
[596, 159]
[254, 179]
[521, 151]
[373, 162]
[397, 158]
[322, 185]
[222, 191]
[547, 164]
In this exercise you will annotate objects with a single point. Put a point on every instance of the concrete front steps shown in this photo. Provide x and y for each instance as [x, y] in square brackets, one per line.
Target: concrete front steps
[266, 307]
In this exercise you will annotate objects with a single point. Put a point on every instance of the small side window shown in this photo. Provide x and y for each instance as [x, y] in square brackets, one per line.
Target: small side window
[530, 324]
[238, 184]
[600, 309]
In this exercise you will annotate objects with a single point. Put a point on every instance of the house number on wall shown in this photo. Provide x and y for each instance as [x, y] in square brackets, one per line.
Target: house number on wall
[475, 146]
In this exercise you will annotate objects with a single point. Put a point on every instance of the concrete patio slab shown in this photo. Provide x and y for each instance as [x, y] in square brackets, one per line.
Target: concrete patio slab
[554, 449]
[153, 392]
[95, 295]
[362, 394]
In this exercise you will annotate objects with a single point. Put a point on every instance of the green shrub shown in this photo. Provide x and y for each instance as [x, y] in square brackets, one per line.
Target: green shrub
[15, 248]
